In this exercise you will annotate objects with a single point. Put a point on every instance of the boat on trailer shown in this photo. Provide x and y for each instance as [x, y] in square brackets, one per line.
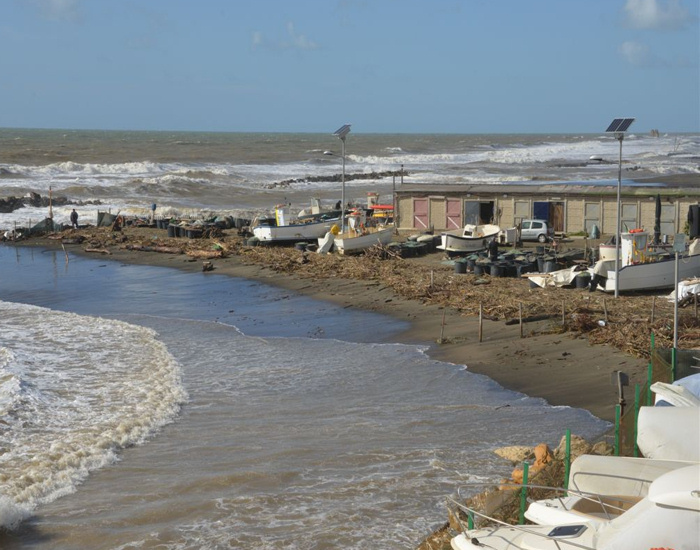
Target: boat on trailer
[471, 238]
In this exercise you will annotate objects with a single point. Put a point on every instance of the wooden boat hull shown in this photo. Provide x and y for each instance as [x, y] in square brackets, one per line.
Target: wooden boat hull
[350, 245]
[292, 233]
[456, 244]
[652, 275]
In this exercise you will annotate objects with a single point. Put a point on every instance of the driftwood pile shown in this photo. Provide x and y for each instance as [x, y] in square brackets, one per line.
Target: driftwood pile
[625, 323]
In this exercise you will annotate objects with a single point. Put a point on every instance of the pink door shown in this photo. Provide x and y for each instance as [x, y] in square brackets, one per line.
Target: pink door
[420, 213]
[454, 214]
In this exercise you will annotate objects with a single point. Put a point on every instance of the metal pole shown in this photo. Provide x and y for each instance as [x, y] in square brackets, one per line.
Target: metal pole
[342, 194]
[619, 221]
[675, 306]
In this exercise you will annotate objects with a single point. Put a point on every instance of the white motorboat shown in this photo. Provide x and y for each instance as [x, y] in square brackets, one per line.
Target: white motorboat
[668, 516]
[644, 269]
[276, 230]
[471, 238]
[601, 488]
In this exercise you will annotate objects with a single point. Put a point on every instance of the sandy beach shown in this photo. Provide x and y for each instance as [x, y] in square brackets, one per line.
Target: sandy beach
[562, 368]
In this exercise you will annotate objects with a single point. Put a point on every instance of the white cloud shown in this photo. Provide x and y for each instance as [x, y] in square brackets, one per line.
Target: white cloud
[292, 41]
[656, 14]
[635, 53]
[299, 41]
[59, 10]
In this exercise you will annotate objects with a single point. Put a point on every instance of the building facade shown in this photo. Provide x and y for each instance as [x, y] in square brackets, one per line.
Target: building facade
[572, 208]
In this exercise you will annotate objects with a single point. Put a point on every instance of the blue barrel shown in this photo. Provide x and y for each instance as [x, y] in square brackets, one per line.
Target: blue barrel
[497, 270]
[478, 269]
[172, 231]
[460, 266]
[549, 266]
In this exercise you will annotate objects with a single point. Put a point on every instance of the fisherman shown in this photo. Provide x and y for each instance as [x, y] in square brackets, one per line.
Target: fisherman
[493, 250]
[74, 219]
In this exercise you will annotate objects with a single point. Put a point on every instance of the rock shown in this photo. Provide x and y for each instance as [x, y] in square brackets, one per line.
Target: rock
[515, 453]
[543, 457]
[602, 448]
[579, 446]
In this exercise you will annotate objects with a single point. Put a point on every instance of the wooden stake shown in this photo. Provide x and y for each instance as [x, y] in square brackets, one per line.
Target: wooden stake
[563, 313]
[653, 308]
[442, 328]
[520, 312]
[605, 310]
[432, 281]
[481, 322]
[64, 251]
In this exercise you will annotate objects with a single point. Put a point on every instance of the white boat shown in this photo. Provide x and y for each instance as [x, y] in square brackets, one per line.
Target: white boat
[350, 243]
[644, 269]
[667, 517]
[601, 488]
[471, 238]
[360, 235]
[275, 230]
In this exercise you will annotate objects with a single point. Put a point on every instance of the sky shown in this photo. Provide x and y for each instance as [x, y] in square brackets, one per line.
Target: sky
[385, 66]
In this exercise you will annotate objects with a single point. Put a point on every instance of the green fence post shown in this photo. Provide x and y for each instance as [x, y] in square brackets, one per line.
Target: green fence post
[523, 493]
[635, 451]
[673, 365]
[650, 375]
[567, 460]
[652, 342]
[617, 430]
[470, 520]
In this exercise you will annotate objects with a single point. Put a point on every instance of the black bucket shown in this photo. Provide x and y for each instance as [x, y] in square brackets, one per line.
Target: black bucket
[172, 231]
[550, 266]
[460, 267]
[478, 269]
[583, 280]
[300, 246]
[497, 270]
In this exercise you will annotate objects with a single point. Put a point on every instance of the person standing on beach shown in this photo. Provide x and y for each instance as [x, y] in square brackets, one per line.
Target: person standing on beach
[74, 219]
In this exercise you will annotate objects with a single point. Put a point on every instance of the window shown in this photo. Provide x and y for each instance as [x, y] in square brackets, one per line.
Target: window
[591, 216]
[629, 217]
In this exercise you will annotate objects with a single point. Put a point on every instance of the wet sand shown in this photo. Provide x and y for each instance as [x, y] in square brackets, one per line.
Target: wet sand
[560, 368]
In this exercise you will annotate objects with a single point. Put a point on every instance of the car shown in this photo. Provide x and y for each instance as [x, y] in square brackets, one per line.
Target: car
[536, 230]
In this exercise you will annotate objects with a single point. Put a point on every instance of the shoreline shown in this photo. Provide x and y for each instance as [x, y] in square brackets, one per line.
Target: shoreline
[561, 368]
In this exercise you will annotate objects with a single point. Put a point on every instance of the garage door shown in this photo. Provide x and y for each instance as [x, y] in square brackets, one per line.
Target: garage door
[420, 213]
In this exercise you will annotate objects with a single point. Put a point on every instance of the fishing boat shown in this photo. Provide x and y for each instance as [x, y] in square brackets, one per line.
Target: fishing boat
[471, 238]
[277, 231]
[362, 233]
[646, 268]
[668, 516]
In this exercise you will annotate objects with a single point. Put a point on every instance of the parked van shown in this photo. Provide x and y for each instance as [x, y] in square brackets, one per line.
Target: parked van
[536, 230]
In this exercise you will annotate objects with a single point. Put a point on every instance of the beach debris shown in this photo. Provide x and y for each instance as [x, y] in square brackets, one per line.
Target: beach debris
[207, 266]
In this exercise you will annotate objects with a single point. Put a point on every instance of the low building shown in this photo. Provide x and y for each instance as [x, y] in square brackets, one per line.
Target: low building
[571, 207]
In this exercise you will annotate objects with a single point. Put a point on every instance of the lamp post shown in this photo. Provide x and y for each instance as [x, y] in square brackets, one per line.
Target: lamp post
[618, 127]
[342, 133]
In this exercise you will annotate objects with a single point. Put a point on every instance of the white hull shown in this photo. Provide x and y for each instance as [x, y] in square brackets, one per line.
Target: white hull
[469, 239]
[653, 275]
[668, 517]
[352, 244]
[292, 233]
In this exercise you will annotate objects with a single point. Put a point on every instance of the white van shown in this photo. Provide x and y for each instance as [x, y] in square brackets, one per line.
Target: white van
[536, 230]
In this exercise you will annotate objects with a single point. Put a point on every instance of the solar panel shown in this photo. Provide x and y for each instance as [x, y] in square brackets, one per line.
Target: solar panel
[343, 131]
[620, 125]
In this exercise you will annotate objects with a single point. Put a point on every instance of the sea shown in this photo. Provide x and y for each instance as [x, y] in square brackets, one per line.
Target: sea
[147, 407]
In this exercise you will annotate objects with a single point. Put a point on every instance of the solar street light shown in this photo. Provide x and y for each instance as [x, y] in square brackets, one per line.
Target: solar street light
[342, 133]
[618, 127]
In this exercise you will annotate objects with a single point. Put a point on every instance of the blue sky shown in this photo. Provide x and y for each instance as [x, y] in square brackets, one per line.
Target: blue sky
[386, 66]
